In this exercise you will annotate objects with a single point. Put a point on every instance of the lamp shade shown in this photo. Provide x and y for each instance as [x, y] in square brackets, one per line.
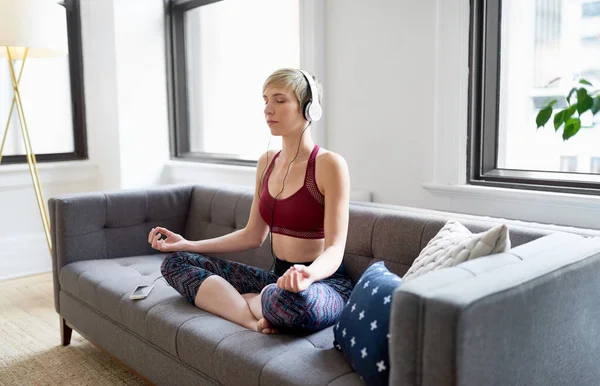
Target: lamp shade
[40, 25]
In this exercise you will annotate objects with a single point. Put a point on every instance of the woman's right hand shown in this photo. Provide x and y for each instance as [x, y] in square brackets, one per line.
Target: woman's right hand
[173, 242]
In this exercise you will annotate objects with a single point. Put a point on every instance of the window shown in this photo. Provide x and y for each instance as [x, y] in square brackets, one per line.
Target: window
[590, 9]
[221, 53]
[568, 164]
[52, 95]
[522, 53]
[595, 165]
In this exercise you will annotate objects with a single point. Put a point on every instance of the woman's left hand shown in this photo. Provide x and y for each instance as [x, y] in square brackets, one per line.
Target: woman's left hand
[296, 279]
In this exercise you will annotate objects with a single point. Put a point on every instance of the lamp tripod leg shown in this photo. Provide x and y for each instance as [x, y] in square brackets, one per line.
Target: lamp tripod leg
[12, 107]
[10, 112]
[31, 159]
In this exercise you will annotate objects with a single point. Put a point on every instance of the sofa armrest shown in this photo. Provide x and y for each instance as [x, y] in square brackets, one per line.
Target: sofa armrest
[105, 225]
[529, 316]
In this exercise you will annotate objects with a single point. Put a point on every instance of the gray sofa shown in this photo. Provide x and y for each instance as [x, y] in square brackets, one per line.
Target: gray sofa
[530, 316]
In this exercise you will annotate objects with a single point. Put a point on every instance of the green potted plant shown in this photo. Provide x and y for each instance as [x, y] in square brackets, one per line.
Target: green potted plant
[584, 100]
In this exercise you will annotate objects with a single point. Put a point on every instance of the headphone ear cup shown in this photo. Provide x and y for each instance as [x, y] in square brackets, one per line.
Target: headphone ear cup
[306, 111]
[312, 112]
[315, 111]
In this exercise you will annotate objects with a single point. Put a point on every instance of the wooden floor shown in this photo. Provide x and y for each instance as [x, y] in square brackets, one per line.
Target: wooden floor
[30, 345]
[29, 297]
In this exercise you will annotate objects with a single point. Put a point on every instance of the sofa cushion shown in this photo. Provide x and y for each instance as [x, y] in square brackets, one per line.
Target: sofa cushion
[220, 349]
[307, 366]
[362, 331]
[320, 339]
[455, 244]
[105, 286]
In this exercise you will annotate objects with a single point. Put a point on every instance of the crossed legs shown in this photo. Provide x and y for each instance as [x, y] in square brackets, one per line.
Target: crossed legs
[231, 291]
[217, 296]
[216, 286]
[254, 303]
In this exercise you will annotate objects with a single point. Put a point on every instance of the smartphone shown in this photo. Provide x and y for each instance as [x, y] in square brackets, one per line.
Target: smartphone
[141, 291]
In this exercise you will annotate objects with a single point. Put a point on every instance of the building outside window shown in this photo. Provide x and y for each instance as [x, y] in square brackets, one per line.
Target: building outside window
[568, 164]
[595, 165]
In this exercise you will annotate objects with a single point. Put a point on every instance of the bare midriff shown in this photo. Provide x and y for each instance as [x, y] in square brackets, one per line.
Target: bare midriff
[296, 250]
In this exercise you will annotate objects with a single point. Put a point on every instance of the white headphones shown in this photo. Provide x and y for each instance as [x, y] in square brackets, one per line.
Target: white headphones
[312, 109]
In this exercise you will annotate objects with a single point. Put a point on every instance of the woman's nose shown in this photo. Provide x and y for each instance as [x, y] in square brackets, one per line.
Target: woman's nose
[268, 109]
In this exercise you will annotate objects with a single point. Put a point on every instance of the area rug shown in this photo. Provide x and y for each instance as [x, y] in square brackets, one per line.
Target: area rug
[30, 348]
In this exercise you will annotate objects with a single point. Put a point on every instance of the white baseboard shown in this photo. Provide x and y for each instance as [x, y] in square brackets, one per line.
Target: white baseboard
[24, 255]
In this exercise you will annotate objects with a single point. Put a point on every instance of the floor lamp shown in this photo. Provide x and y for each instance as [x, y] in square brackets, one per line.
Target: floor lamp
[30, 29]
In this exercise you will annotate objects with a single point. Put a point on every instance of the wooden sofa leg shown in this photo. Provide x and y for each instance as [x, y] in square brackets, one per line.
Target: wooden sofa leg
[65, 332]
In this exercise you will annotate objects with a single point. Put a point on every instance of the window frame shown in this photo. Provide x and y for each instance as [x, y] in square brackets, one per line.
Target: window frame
[483, 115]
[73, 16]
[177, 88]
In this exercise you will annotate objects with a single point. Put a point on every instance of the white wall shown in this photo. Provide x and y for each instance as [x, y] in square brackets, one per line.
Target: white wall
[380, 66]
[125, 90]
[23, 247]
[142, 91]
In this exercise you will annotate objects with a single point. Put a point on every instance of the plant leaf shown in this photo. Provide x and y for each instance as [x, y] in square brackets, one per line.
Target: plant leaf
[543, 116]
[596, 105]
[559, 119]
[569, 111]
[585, 104]
[583, 81]
[570, 94]
[572, 126]
[581, 93]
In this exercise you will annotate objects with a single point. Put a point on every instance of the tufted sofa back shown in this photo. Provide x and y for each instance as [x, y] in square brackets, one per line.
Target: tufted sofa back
[395, 234]
[216, 211]
[106, 225]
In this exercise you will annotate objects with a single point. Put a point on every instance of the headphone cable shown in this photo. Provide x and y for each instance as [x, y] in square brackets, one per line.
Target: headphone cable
[281, 191]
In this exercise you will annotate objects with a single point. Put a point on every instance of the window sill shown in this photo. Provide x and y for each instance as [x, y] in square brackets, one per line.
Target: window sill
[581, 211]
[17, 176]
[186, 172]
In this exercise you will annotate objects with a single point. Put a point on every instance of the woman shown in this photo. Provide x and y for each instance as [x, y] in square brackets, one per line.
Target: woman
[302, 198]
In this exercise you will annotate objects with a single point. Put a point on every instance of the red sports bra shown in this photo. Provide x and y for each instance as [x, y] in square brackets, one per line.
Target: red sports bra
[300, 215]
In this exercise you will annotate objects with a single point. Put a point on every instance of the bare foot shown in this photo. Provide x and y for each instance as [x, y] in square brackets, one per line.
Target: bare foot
[265, 327]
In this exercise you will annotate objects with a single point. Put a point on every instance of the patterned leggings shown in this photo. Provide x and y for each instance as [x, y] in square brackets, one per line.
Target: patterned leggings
[313, 309]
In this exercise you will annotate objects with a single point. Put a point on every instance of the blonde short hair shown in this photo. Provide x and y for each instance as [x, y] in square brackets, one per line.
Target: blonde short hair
[295, 79]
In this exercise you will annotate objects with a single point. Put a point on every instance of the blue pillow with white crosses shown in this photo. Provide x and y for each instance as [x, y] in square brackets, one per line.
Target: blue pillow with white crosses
[362, 332]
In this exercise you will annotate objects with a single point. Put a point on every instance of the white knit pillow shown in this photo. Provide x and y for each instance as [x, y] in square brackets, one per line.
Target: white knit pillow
[454, 244]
